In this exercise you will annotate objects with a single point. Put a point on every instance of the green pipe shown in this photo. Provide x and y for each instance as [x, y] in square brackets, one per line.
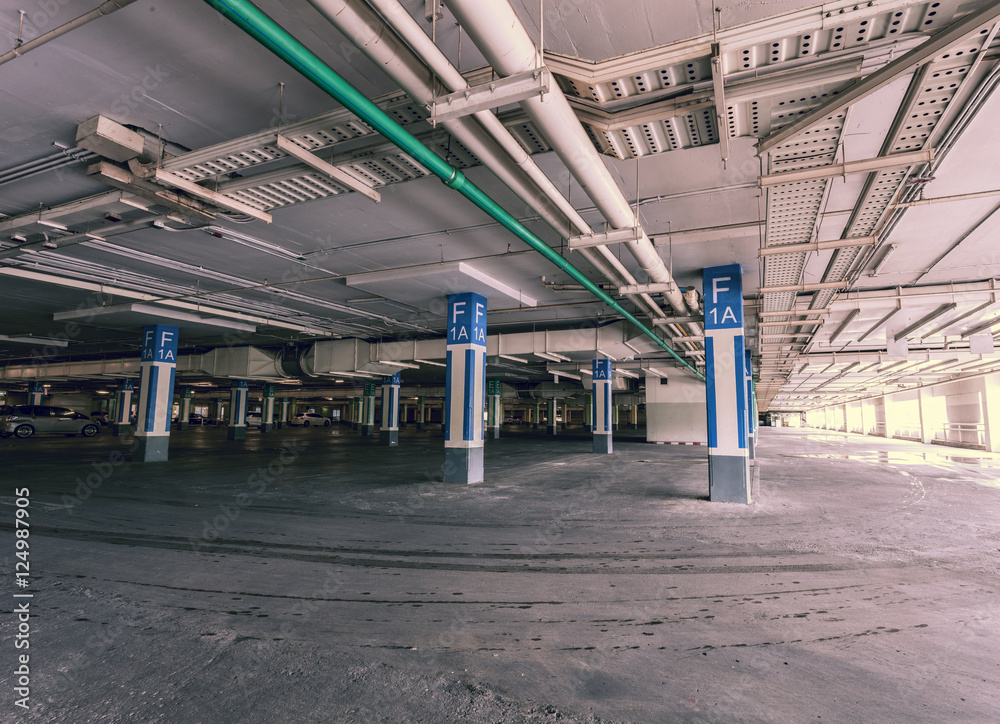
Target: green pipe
[272, 36]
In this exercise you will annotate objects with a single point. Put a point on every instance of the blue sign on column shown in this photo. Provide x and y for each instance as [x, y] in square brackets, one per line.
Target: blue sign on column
[156, 391]
[389, 434]
[725, 384]
[465, 394]
[602, 407]
[37, 392]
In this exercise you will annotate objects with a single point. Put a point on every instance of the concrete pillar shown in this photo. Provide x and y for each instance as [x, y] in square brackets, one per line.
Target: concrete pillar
[536, 420]
[990, 403]
[551, 424]
[368, 410]
[633, 417]
[220, 410]
[282, 412]
[389, 434]
[565, 414]
[465, 388]
[614, 415]
[404, 415]
[156, 392]
[725, 385]
[752, 408]
[238, 394]
[421, 411]
[123, 407]
[267, 410]
[588, 413]
[185, 412]
[36, 394]
[494, 408]
[601, 394]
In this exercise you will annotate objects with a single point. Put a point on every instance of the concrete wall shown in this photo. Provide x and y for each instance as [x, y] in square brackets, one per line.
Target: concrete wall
[676, 411]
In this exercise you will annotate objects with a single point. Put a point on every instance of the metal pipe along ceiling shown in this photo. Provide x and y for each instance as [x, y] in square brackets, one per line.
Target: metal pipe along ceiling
[508, 161]
[497, 31]
[262, 28]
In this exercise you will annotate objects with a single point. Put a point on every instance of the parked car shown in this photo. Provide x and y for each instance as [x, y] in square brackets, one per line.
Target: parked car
[310, 418]
[195, 419]
[254, 419]
[100, 417]
[26, 420]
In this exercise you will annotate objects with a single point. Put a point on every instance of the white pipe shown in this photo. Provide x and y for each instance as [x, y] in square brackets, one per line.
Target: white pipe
[498, 33]
[359, 24]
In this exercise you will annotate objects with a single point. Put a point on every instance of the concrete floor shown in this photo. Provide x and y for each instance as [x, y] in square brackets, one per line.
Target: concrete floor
[353, 586]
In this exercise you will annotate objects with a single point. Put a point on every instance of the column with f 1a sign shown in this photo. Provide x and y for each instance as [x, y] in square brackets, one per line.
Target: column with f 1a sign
[465, 388]
[156, 392]
[389, 434]
[725, 385]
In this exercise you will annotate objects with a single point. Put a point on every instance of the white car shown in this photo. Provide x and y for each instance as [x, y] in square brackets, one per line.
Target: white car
[310, 418]
[253, 419]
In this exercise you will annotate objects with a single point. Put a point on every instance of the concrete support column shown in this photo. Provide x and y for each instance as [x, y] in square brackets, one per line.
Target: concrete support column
[282, 412]
[551, 424]
[220, 410]
[238, 396]
[614, 415]
[404, 415]
[537, 419]
[494, 408]
[421, 411]
[36, 394]
[185, 411]
[601, 395]
[267, 410]
[588, 413]
[752, 408]
[156, 392]
[389, 434]
[368, 410]
[123, 407]
[633, 417]
[465, 388]
[990, 403]
[565, 415]
[725, 385]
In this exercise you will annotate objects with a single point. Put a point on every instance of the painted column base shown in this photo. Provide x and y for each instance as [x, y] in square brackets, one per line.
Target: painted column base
[420, 426]
[495, 433]
[355, 426]
[463, 465]
[236, 433]
[151, 449]
[121, 429]
[614, 428]
[184, 424]
[389, 437]
[603, 444]
[267, 427]
[728, 479]
[563, 425]
[278, 425]
[367, 431]
[534, 426]
[551, 429]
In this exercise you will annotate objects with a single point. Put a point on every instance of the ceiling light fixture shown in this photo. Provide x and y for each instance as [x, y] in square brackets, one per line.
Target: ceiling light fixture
[512, 358]
[53, 225]
[885, 257]
[428, 362]
[220, 232]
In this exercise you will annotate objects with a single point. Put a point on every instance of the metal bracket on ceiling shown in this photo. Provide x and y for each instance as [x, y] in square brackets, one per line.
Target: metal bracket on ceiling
[495, 93]
[615, 236]
[327, 169]
[432, 10]
[721, 113]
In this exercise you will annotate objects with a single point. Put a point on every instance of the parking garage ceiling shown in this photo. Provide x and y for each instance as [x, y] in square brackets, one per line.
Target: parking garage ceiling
[844, 154]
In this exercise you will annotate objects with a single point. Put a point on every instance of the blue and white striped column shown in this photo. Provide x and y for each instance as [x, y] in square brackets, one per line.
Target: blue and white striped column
[465, 388]
[123, 406]
[267, 413]
[156, 392]
[368, 410]
[751, 410]
[239, 394]
[725, 385]
[187, 394]
[494, 408]
[36, 393]
[601, 389]
[389, 434]
[282, 412]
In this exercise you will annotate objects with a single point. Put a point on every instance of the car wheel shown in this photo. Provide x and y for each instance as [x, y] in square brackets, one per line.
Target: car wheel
[305, 423]
[326, 423]
[23, 431]
[89, 430]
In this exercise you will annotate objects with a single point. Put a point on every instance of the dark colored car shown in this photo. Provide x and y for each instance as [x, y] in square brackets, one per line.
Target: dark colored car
[26, 420]
[100, 417]
[195, 419]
